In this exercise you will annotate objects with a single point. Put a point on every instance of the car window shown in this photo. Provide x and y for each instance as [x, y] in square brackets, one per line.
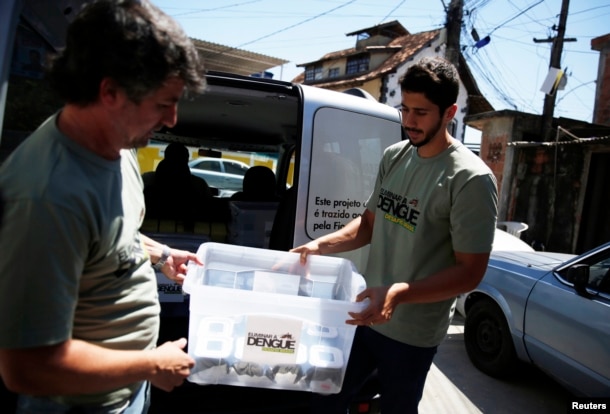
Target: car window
[599, 275]
[210, 165]
[235, 168]
[198, 165]
[599, 271]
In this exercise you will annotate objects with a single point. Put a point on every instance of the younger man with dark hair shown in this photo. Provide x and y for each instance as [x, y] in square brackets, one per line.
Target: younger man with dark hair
[436, 248]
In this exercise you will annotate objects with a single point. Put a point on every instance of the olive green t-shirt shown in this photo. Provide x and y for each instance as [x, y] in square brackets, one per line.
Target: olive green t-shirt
[425, 210]
[73, 264]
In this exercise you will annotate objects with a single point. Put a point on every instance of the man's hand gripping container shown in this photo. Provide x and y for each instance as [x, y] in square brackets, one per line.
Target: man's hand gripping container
[258, 318]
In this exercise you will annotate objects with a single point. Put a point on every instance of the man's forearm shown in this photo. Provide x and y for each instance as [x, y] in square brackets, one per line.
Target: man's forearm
[154, 248]
[353, 235]
[462, 277]
[73, 367]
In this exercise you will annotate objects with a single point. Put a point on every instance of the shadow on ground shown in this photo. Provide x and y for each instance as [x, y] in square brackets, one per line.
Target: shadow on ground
[531, 391]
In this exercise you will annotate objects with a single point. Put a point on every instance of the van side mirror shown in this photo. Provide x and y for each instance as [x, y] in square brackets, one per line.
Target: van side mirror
[578, 275]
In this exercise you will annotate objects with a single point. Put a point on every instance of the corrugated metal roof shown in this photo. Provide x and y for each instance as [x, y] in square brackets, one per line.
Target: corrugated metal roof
[230, 59]
[573, 141]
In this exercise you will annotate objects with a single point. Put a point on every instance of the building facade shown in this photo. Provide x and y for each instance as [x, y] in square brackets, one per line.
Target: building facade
[381, 56]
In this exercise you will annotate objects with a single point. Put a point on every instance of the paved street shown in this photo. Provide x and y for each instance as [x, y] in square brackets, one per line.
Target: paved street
[454, 385]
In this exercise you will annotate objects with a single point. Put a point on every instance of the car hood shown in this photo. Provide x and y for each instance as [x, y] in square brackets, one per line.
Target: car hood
[537, 260]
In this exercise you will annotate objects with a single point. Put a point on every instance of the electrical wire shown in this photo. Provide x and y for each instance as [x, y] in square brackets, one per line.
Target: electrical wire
[296, 24]
[491, 66]
[515, 16]
[216, 8]
[392, 11]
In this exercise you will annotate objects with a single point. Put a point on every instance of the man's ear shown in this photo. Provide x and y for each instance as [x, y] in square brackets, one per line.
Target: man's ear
[110, 93]
[450, 112]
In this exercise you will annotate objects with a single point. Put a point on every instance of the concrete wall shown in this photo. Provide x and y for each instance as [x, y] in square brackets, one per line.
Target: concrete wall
[497, 155]
[548, 185]
[541, 184]
[601, 113]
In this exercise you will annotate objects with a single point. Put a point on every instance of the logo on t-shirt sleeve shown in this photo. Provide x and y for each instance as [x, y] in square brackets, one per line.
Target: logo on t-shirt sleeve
[131, 257]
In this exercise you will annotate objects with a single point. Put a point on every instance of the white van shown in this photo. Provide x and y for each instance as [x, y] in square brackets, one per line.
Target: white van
[323, 145]
[324, 149]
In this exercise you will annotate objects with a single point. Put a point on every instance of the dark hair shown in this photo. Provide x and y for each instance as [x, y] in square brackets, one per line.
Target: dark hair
[131, 41]
[436, 78]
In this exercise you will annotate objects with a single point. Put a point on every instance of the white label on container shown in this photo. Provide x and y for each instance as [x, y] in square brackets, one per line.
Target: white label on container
[272, 340]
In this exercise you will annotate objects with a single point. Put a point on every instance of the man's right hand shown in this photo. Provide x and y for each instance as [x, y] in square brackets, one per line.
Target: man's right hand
[313, 247]
[173, 365]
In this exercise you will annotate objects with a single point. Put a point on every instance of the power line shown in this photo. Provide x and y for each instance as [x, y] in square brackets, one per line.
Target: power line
[482, 60]
[488, 77]
[592, 8]
[216, 8]
[515, 16]
[297, 24]
[392, 11]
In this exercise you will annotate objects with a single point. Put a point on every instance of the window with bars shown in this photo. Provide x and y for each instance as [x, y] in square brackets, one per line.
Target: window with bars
[357, 64]
[313, 73]
[333, 73]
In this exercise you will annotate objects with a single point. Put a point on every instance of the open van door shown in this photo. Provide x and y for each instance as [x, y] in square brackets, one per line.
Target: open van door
[343, 140]
[30, 32]
[9, 17]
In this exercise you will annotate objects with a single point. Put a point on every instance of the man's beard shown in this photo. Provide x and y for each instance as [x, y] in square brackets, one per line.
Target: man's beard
[427, 138]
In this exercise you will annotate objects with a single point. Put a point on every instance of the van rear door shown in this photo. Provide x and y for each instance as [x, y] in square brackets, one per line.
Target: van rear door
[342, 141]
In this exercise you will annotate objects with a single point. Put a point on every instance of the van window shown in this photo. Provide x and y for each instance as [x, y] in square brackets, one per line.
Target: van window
[343, 166]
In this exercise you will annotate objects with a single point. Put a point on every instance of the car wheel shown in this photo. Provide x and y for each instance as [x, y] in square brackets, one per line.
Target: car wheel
[488, 340]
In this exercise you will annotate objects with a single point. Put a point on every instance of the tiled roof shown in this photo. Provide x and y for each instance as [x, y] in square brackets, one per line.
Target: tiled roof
[403, 48]
[409, 45]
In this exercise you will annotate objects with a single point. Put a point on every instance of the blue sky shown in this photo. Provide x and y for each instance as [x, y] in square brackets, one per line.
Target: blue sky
[509, 71]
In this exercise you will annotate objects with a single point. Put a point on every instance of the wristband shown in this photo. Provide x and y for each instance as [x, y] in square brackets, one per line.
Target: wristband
[164, 256]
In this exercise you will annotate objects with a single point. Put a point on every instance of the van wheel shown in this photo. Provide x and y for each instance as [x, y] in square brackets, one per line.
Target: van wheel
[488, 340]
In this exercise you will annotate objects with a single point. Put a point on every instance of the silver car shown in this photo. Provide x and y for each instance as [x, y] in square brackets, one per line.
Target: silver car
[548, 309]
[221, 173]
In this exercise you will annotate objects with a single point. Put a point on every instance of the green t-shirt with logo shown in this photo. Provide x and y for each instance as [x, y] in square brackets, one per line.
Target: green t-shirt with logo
[73, 264]
[425, 210]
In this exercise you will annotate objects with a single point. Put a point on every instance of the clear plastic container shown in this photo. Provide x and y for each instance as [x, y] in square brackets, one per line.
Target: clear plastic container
[259, 318]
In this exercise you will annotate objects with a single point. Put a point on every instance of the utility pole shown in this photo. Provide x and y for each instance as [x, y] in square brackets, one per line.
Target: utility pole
[549, 100]
[454, 29]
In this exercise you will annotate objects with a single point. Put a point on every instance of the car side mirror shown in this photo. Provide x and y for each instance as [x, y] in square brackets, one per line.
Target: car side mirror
[578, 275]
